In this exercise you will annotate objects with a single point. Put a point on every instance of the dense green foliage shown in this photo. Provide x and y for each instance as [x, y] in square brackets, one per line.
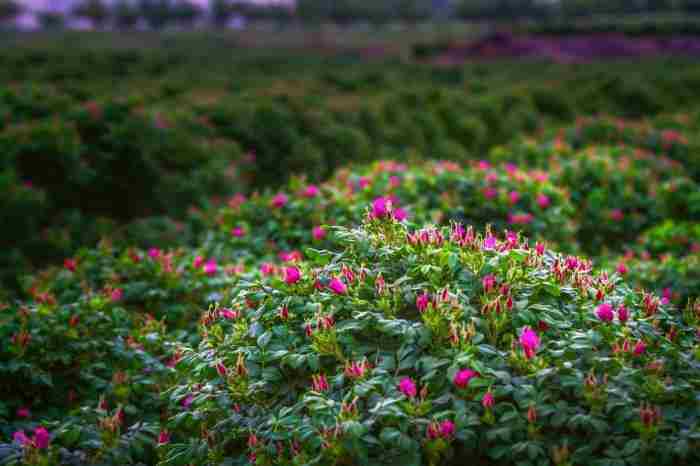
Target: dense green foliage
[326, 261]
[164, 129]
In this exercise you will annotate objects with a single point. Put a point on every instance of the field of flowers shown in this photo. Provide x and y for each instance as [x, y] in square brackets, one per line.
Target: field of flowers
[433, 279]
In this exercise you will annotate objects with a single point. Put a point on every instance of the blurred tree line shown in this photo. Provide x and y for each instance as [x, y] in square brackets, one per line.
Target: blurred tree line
[158, 14]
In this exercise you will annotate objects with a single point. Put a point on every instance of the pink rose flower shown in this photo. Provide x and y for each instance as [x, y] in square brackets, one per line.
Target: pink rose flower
[408, 387]
[291, 275]
[463, 377]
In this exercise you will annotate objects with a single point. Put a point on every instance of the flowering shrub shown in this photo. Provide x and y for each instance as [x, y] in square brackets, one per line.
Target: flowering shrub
[676, 278]
[422, 346]
[504, 196]
[66, 182]
[679, 238]
[619, 192]
[105, 326]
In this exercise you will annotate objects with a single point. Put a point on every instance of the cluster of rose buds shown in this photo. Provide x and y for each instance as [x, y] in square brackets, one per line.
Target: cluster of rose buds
[424, 300]
[319, 383]
[45, 298]
[560, 455]
[112, 423]
[463, 237]
[626, 347]
[356, 370]
[591, 382]
[489, 283]
[241, 369]
[349, 410]
[21, 339]
[330, 435]
[461, 334]
[348, 274]
[651, 303]
[444, 430]
[380, 285]
[426, 237]
[573, 269]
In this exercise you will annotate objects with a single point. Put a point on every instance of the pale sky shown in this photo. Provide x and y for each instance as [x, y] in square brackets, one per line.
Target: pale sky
[62, 4]
[29, 21]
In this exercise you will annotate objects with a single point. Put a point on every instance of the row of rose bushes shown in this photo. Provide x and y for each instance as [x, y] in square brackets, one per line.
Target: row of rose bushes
[617, 193]
[104, 335]
[97, 341]
[80, 128]
[65, 181]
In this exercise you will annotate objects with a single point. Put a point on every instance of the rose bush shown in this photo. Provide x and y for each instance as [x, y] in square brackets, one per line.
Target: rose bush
[423, 346]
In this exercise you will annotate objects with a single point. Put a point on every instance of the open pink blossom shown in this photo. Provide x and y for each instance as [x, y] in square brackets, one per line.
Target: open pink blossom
[311, 191]
[318, 233]
[198, 262]
[210, 268]
[238, 232]
[605, 312]
[529, 341]
[117, 295]
[447, 428]
[543, 201]
[292, 275]
[400, 214]
[640, 348]
[381, 208]
[41, 438]
[337, 286]
[279, 200]
[463, 377]
[513, 197]
[408, 387]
